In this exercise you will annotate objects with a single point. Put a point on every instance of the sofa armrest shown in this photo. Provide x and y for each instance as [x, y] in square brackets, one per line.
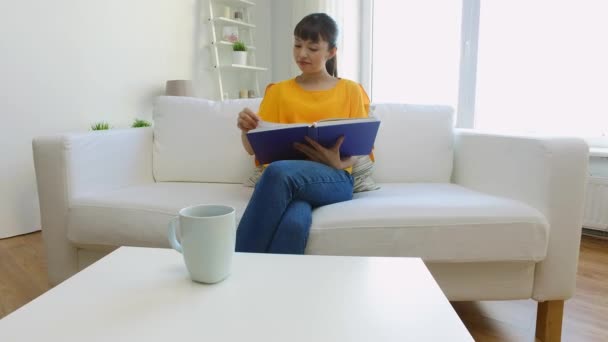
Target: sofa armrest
[106, 160]
[549, 174]
[73, 164]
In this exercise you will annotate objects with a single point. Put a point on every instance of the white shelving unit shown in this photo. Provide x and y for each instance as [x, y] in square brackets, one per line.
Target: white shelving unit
[221, 50]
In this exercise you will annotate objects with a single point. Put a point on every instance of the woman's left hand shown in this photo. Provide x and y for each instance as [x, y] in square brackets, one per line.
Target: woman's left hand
[328, 156]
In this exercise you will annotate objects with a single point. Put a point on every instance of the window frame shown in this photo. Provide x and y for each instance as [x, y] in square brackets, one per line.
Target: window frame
[467, 74]
[367, 45]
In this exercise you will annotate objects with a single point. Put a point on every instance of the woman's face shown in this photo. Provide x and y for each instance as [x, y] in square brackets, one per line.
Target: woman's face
[311, 56]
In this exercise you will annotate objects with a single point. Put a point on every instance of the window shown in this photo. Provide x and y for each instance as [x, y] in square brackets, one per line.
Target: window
[543, 67]
[416, 49]
[526, 66]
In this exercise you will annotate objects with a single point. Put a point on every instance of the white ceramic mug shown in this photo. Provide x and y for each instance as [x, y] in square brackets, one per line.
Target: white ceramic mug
[208, 237]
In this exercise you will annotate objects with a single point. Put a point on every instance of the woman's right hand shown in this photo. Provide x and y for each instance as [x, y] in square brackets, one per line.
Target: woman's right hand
[247, 120]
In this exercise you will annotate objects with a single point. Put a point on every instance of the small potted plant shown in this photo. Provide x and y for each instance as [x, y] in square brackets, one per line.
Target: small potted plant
[140, 123]
[239, 53]
[100, 126]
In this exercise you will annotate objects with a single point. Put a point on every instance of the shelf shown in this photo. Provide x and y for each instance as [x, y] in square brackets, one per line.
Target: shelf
[598, 152]
[232, 77]
[240, 66]
[237, 3]
[234, 22]
[227, 43]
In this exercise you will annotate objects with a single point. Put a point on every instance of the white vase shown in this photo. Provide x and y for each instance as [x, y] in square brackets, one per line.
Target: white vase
[239, 57]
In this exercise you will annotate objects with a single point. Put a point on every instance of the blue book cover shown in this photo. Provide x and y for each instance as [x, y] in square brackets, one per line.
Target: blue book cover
[272, 142]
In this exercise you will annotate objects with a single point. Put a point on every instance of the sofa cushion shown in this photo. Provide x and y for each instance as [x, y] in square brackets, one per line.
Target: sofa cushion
[196, 140]
[139, 215]
[414, 143]
[438, 222]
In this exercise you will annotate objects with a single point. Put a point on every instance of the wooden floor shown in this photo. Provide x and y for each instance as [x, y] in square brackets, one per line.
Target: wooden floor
[22, 271]
[585, 315]
[23, 278]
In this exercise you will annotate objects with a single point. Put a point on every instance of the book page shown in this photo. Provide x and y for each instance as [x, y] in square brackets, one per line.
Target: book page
[343, 121]
[270, 126]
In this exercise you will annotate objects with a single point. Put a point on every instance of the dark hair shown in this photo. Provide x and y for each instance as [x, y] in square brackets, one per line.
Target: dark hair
[317, 26]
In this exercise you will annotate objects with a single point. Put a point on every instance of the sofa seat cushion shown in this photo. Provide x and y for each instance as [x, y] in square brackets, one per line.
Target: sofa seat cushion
[139, 215]
[434, 221]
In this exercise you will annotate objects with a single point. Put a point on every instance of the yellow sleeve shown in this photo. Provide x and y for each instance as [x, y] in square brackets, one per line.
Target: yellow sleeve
[269, 108]
[359, 102]
[360, 105]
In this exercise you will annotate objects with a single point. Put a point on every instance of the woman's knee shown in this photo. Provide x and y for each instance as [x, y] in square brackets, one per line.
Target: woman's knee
[279, 171]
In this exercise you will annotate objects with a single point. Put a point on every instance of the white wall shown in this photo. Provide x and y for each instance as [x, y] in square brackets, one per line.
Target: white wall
[261, 16]
[287, 13]
[282, 39]
[65, 64]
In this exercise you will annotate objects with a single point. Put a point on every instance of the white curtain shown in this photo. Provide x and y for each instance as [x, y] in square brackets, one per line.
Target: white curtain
[346, 14]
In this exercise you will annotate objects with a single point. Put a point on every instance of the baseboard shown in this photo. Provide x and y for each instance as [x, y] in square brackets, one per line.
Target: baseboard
[14, 234]
[602, 234]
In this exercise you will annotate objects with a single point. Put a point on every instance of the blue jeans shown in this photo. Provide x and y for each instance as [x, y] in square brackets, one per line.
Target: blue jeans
[279, 213]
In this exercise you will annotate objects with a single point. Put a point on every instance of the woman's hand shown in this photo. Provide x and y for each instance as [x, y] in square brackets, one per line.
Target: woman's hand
[328, 156]
[247, 120]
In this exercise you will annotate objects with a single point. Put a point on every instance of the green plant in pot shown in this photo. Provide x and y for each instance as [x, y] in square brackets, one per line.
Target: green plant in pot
[140, 123]
[239, 53]
[100, 126]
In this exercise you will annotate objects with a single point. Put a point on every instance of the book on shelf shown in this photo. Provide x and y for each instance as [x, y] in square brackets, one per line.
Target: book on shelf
[274, 141]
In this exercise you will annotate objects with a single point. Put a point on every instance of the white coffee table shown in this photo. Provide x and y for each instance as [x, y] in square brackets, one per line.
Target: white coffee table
[144, 294]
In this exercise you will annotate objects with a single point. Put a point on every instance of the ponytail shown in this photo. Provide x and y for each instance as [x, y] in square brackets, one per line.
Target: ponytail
[332, 66]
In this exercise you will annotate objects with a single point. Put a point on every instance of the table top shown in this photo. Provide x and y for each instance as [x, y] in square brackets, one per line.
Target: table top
[144, 294]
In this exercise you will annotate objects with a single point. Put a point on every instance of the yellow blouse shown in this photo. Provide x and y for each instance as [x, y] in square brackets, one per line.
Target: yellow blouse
[288, 102]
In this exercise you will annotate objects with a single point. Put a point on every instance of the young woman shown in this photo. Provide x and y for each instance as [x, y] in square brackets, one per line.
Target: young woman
[279, 214]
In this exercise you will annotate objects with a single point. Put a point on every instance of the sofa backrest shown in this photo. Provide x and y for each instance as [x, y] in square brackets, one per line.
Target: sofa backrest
[196, 140]
[414, 143]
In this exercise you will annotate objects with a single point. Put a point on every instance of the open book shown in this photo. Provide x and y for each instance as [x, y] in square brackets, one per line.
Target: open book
[272, 141]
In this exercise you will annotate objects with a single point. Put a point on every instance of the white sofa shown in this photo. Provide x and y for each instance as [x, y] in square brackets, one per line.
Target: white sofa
[494, 217]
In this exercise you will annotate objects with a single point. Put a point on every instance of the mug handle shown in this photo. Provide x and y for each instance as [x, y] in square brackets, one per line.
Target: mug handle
[173, 224]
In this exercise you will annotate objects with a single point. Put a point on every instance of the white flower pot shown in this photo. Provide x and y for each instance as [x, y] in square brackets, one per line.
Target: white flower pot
[239, 57]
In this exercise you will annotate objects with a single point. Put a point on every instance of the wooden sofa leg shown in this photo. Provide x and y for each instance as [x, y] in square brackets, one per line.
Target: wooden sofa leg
[549, 320]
